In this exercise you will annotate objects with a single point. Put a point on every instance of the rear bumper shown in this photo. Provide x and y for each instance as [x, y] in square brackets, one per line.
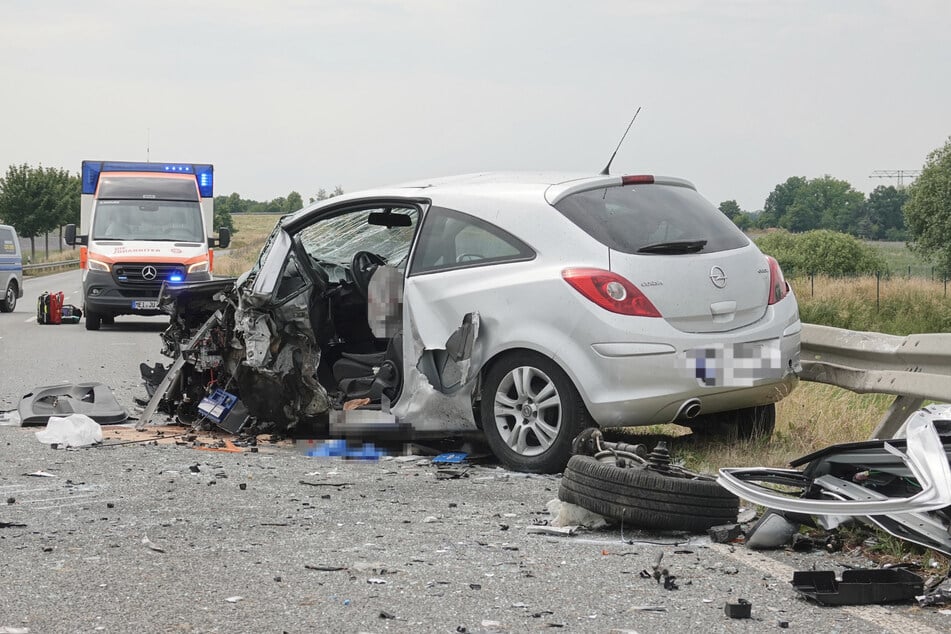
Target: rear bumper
[104, 296]
[625, 385]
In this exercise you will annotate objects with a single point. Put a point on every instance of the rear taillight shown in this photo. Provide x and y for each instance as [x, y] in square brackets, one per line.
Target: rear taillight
[610, 291]
[778, 288]
[637, 179]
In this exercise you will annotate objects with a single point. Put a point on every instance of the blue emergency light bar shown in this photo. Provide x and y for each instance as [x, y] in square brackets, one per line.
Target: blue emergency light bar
[204, 174]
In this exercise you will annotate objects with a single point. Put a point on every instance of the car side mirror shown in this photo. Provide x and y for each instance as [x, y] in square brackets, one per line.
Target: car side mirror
[224, 237]
[70, 237]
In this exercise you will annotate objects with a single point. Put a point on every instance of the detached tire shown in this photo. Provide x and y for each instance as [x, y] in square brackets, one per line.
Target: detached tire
[646, 499]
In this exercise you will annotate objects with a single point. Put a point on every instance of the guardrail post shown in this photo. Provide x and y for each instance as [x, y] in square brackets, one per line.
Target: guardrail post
[900, 409]
[878, 295]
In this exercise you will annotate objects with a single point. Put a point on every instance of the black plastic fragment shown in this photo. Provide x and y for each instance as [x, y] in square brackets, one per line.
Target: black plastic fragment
[742, 609]
[858, 586]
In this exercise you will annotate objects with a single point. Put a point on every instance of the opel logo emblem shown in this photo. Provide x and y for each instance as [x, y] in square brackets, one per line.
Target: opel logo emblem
[718, 277]
[149, 273]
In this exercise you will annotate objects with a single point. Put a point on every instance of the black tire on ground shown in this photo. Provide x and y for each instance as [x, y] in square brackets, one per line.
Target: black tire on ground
[743, 424]
[9, 300]
[522, 435]
[646, 499]
[93, 321]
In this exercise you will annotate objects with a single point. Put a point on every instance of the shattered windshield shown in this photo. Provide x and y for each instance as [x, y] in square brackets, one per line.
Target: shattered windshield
[336, 239]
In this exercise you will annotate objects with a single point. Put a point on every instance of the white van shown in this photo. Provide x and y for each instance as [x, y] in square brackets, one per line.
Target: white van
[11, 269]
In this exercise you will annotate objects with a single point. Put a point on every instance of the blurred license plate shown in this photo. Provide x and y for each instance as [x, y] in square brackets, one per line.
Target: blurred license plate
[145, 305]
[737, 365]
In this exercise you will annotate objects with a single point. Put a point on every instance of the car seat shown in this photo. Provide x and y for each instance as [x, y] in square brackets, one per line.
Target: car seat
[371, 375]
[375, 374]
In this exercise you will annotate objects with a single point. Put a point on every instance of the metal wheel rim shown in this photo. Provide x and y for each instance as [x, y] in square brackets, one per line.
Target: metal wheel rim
[9, 297]
[528, 412]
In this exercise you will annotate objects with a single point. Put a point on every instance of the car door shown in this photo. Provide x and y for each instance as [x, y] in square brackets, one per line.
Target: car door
[458, 268]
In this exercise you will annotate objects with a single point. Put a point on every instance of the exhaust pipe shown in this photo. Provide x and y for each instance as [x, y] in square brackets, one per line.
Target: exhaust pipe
[689, 409]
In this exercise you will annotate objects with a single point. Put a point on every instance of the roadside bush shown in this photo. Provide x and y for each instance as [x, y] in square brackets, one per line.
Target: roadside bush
[821, 252]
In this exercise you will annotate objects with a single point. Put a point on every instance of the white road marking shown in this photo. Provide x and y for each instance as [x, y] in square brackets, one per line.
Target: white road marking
[877, 615]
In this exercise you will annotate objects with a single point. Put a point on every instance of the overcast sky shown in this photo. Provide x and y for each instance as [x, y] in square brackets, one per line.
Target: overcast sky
[736, 95]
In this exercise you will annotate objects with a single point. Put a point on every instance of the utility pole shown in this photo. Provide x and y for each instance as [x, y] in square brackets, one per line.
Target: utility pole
[899, 174]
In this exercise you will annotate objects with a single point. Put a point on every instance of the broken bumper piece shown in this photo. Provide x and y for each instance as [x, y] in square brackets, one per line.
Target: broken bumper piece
[902, 485]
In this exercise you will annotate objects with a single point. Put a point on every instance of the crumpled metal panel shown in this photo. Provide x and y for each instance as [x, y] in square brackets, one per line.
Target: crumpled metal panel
[925, 457]
[255, 329]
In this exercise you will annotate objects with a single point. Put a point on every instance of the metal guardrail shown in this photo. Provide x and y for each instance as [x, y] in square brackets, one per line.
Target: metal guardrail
[912, 368]
[48, 266]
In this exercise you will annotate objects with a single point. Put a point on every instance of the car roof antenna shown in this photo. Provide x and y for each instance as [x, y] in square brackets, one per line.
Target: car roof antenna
[607, 168]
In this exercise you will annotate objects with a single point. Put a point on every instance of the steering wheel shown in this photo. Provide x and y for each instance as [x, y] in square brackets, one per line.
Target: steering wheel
[362, 267]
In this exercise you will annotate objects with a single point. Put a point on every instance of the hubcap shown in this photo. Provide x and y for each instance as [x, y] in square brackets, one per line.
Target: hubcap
[527, 411]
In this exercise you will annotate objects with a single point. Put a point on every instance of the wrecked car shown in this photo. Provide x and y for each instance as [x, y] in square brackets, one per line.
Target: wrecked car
[527, 306]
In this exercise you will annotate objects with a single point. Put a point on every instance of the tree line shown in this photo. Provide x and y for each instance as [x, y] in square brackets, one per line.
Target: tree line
[225, 206]
[801, 204]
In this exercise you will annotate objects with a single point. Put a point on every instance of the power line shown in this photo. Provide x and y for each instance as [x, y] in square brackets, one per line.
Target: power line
[899, 174]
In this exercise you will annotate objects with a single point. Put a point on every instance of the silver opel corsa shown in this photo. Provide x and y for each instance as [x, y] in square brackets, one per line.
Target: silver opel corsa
[527, 305]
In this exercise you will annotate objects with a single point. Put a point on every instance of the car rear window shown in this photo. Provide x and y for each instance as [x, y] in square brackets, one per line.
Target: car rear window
[630, 218]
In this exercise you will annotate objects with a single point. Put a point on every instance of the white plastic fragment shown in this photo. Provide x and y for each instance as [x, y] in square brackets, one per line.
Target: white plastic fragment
[233, 599]
[40, 474]
[148, 542]
[75, 430]
[10, 418]
[565, 514]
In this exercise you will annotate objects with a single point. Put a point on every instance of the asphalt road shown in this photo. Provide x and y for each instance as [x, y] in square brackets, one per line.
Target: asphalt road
[144, 537]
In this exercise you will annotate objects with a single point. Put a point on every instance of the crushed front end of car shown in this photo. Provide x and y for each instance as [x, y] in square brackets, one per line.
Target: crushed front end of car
[223, 336]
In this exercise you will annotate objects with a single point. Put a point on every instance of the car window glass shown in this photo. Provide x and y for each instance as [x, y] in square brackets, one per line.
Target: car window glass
[335, 240]
[629, 218]
[6, 241]
[292, 280]
[450, 239]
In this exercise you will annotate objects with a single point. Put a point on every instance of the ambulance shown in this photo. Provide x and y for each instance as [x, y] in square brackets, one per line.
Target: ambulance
[142, 225]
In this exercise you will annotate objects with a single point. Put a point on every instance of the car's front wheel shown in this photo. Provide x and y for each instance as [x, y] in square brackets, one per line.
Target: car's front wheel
[530, 412]
[9, 300]
[93, 321]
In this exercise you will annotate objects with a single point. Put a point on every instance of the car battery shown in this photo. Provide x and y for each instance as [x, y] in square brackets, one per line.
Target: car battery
[225, 410]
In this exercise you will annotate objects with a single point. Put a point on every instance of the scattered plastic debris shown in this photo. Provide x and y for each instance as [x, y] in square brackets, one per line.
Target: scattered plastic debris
[858, 586]
[454, 457]
[566, 514]
[151, 545]
[558, 531]
[339, 448]
[725, 533]
[742, 609]
[940, 595]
